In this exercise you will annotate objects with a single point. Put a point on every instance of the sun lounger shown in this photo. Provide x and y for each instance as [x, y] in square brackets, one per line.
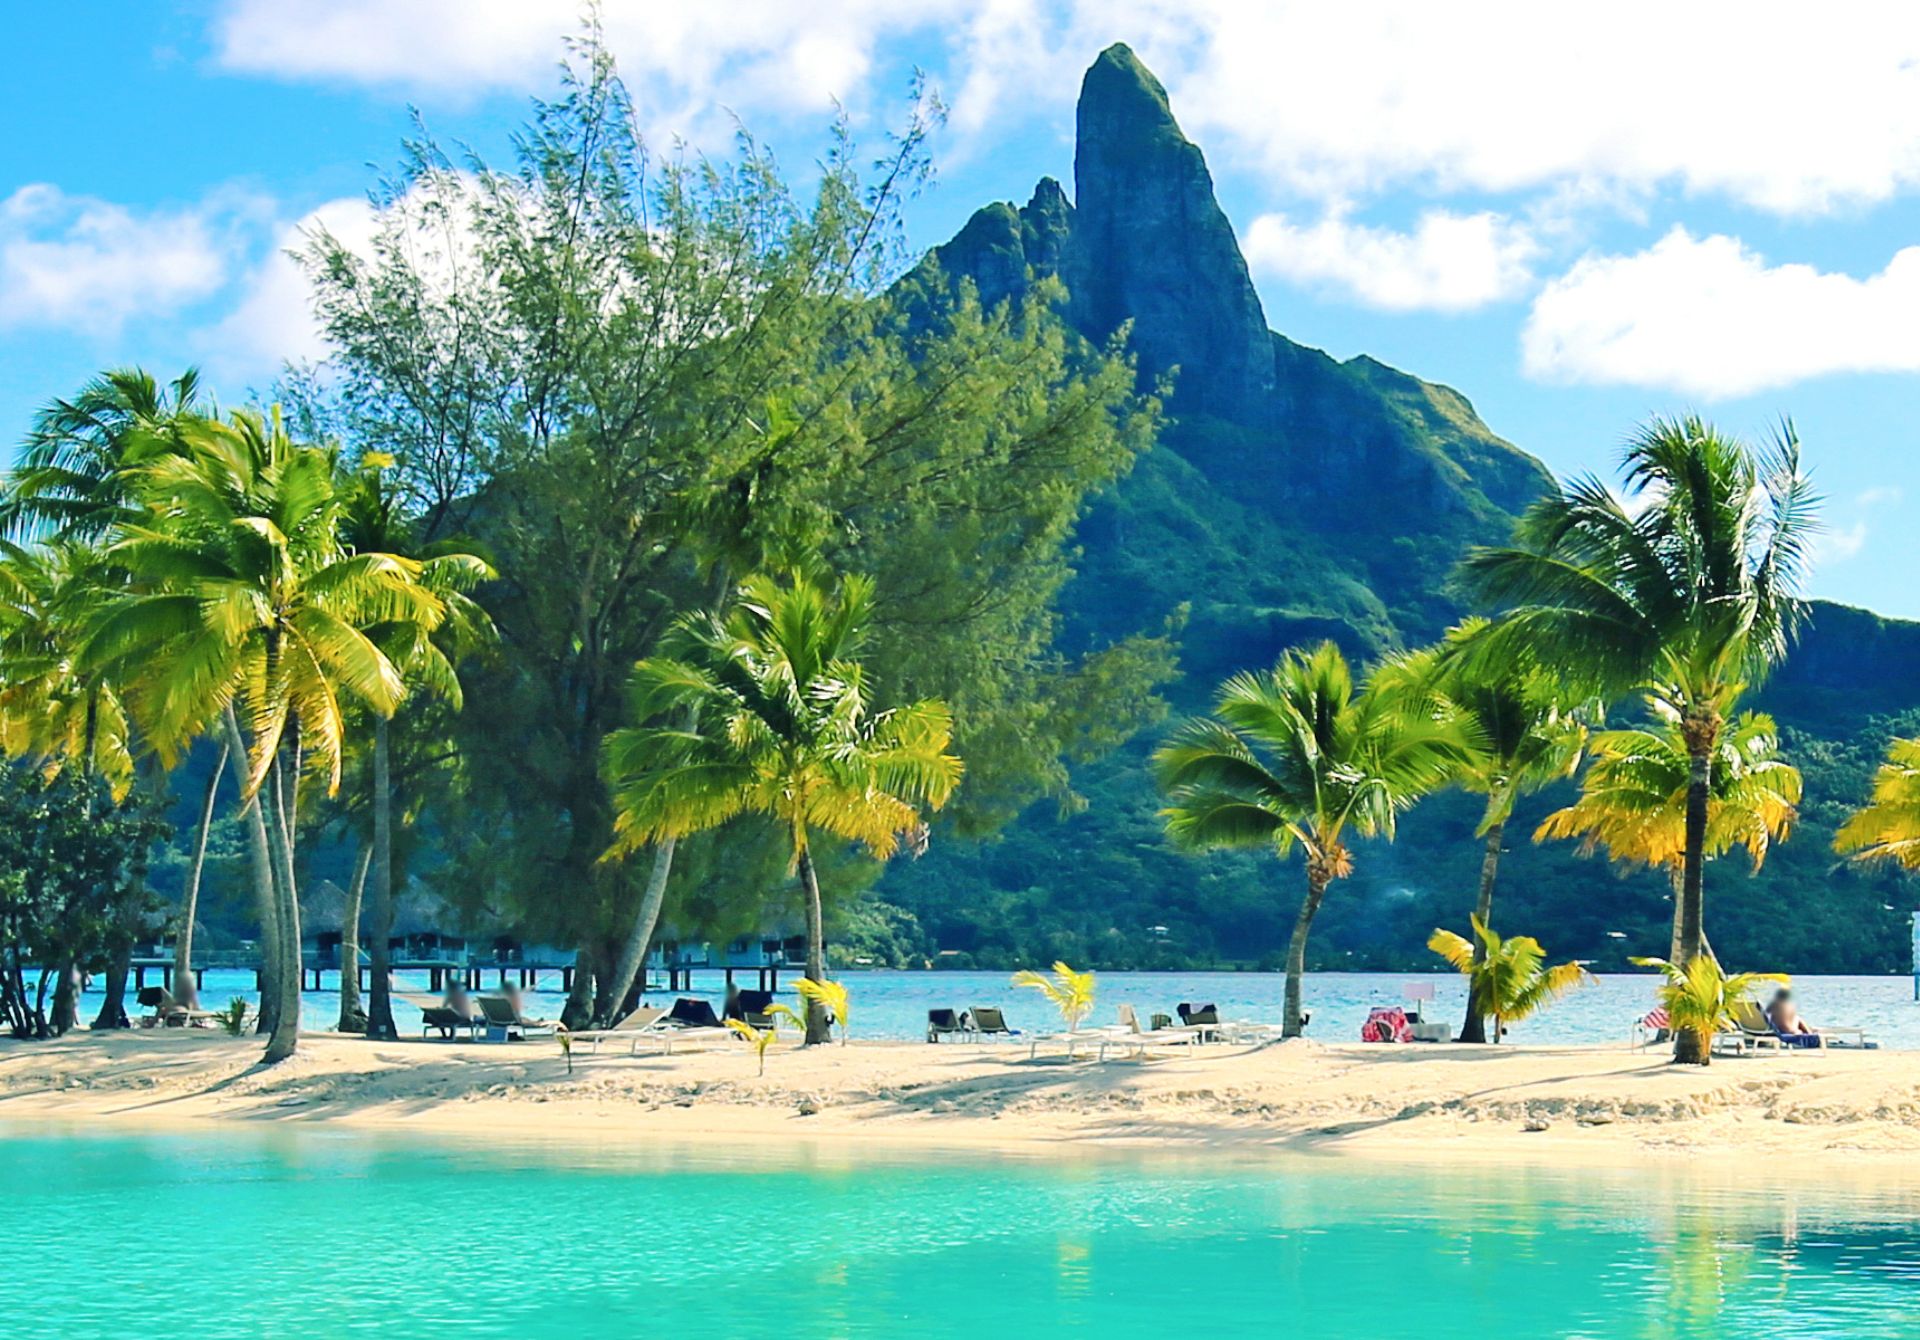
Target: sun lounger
[1754, 1029]
[1213, 1028]
[988, 1022]
[170, 1013]
[751, 1008]
[1131, 1037]
[1071, 1041]
[642, 1019]
[692, 1012]
[504, 1023]
[945, 1024]
[438, 1016]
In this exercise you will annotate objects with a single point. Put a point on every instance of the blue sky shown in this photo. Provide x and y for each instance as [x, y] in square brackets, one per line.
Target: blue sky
[1576, 222]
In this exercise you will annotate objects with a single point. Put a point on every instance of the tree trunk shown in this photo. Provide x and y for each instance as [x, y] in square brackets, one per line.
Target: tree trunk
[186, 988]
[113, 1010]
[1690, 1046]
[1317, 879]
[66, 1000]
[379, 967]
[353, 1019]
[633, 953]
[818, 1030]
[285, 1037]
[1475, 1027]
[578, 1011]
[265, 881]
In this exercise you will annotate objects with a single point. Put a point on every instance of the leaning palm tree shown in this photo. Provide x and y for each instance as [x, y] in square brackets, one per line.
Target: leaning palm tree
[247, 617]
[1633, 800]
[1523, 732]
[1509, 976]
[1887, 827]
[1295, 757]
[780, 726]
[1689, 588]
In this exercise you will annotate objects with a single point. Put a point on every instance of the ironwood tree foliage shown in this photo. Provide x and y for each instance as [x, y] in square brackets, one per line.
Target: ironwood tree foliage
[636, 378]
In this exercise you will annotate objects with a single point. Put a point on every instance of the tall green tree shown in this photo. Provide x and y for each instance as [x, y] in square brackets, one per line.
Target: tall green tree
[1296, 757]
[624, 373]
[1522, 733]
[781, 725]
[1688, 587]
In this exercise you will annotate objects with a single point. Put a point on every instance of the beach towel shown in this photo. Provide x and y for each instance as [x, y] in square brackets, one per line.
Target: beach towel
[1386, 1023]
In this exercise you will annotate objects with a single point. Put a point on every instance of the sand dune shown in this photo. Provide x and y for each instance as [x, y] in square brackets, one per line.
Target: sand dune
[1601, 1102]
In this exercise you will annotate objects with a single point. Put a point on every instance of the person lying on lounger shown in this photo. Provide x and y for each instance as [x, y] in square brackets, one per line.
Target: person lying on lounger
[1786, 1020]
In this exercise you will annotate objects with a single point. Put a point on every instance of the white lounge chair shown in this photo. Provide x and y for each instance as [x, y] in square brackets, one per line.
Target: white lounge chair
[642, 1019]
[1131, 1037]
[504, 1022]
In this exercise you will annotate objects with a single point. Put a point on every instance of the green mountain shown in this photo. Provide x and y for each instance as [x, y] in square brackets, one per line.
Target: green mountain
[1294, 497]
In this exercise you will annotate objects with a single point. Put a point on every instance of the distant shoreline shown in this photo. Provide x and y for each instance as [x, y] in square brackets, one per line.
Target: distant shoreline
[1602, 1104]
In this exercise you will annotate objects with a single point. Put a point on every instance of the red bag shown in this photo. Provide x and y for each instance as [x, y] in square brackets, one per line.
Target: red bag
[1386, 1023]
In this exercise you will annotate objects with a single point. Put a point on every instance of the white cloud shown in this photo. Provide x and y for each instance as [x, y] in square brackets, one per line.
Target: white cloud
[1880, 495]
[1787, 107]
[272, 322]
[1837, 545]
[1709, 317]
[79, 264]
[680, 60]
[1449, 262]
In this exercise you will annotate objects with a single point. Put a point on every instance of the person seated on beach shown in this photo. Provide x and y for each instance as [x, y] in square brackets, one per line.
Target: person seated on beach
[512, 993]
[459, 1001]
[1785, 1017]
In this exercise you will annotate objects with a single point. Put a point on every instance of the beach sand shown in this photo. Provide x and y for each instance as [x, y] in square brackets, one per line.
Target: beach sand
[1606, 1104]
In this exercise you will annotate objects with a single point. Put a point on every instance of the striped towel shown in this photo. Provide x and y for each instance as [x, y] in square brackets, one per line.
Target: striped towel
[1656, 1018]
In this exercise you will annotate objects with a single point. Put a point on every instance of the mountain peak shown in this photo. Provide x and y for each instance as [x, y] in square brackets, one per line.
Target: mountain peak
[1155, 248]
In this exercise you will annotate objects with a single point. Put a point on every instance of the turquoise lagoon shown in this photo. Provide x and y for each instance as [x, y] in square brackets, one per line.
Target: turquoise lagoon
[316, 1233]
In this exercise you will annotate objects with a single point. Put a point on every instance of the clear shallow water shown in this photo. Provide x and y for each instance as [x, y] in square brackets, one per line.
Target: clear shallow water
[249, 1234]
[895, 1004]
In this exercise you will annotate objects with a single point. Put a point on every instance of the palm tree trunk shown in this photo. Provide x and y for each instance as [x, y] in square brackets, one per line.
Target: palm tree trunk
[1475, 1027]
[818, 1030]
[633, 953]
[379, 970]
[286, 1026]
[353, 1019]
[186, 989]
[1317, 878]
[265, 882]
[1690, 1046]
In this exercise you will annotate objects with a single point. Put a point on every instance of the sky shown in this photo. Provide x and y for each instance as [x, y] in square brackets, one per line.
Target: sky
[1578, 220]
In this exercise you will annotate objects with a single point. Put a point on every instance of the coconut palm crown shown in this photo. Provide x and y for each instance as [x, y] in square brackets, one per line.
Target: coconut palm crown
[1887, 828]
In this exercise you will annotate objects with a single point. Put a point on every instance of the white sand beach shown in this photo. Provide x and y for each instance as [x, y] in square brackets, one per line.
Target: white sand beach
[1511, 1102]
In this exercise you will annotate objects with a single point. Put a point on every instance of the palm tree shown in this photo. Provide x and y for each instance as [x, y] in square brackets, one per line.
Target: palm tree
[373, 520]
[56, 712]
[70, 478]
[1887, 827]
[70, 486]
[1295, 757]
[1689, 588]
[1522, 734]
[1633, 800]
[765, 711]
[1700, 998]
[1068, 991]
[248, 616]
[1509, 977]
